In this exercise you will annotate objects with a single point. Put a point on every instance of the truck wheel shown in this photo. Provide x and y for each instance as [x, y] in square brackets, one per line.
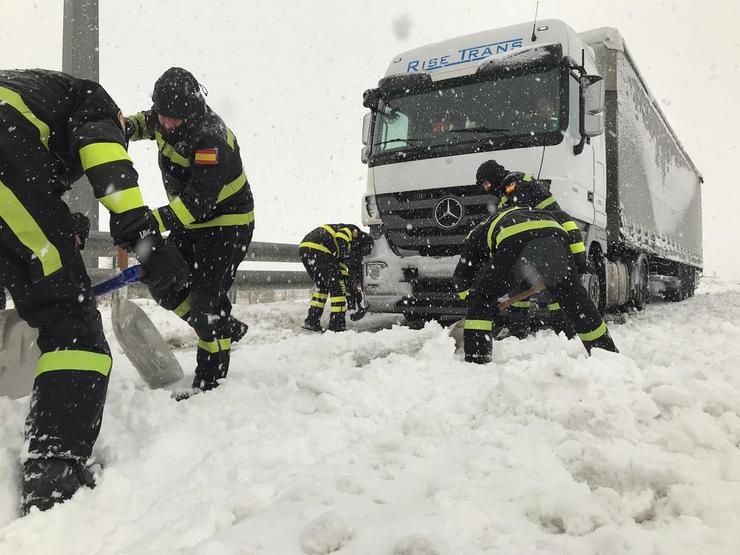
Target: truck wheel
[595, 285]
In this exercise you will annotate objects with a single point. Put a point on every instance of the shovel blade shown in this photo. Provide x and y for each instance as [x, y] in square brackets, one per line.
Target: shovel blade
[143, 345]
[18, 355]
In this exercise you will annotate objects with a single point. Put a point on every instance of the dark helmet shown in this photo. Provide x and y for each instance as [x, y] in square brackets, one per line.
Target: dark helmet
[177, 94]
[365, 243]
[491, 171]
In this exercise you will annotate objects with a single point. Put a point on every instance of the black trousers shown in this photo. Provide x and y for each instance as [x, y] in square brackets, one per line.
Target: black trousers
[546, 259]
[213, 255]
[47, 280]
[324, 270]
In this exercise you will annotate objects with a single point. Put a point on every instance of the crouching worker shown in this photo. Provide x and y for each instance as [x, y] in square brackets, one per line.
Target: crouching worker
[332, 255]
[53, 128]
[521, 244]
[210, 214]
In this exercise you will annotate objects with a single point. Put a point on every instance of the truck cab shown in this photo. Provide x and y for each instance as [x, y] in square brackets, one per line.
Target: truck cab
[528, 96]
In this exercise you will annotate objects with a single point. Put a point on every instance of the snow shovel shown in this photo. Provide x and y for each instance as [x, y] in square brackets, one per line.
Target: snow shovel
[137, 335]
[456, 329]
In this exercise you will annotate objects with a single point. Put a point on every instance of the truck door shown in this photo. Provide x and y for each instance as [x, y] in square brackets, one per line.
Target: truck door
[577, 195]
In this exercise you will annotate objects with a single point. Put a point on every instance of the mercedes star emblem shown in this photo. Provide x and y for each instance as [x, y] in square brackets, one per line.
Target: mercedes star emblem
[448, 212]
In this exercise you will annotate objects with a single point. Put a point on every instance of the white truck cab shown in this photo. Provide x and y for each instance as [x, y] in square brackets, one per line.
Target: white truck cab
[529, 96]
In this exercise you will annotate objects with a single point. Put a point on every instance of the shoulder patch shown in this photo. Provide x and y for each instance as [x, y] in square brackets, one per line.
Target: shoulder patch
[206, 156]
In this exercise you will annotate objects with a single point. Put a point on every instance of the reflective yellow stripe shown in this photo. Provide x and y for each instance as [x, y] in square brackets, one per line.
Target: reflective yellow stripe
[527, 178]
[575, 248]
[225, 343]
[318, 304]
[184, 307]
[158, 217]
[13, 99]
[339, 299]
[318, 295]
[343, 269]
[502, 202]
[225, 220]
[229, 138]
[315, 246]
[232, 188]
[521, 304]
[98, 154]
[553, 306]
[181, 211]
[523, 227]
[339, 308]
[28, 232]
[74, 360]
[123, 201]
[482, 325]
[463, 294]
[210, 346]
[570, 226]
[168, 151]
[330, 231]
[545, 203]
[594, 335]
[493, 225]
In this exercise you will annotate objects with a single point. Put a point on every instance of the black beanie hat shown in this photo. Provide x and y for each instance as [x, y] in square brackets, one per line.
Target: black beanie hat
[491, 171]
[177, 94]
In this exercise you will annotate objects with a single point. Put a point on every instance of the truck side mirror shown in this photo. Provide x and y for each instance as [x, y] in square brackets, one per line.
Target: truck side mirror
[371, 99]
[365, 154]
[593, 90]
[366, 125]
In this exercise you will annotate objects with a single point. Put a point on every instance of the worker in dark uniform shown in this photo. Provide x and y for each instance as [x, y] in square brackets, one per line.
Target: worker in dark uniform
[523, 244]
[210, 214]
[332, 255]
[54, 127]
[519, 189]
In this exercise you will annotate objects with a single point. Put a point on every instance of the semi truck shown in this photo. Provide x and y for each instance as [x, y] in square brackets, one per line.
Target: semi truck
[571, 109]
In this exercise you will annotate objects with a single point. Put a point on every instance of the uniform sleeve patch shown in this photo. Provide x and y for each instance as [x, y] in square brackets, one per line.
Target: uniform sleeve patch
[206, 156]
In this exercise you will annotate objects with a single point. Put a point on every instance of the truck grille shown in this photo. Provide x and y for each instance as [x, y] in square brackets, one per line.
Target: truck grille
[420, 222]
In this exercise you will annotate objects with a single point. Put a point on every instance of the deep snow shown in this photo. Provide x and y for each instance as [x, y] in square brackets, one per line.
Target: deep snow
[385, 442]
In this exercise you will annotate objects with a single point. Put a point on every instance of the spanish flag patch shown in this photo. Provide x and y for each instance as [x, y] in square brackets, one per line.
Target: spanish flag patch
[206, 156]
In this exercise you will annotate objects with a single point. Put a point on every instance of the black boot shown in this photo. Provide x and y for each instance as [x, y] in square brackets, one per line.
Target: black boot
[236, 329]
[337, 322]
[50, 481]
[478, 345]
[604, 342]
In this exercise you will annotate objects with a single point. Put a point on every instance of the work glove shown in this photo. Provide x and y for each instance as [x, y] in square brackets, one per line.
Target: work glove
[80, 229]
[164, 266]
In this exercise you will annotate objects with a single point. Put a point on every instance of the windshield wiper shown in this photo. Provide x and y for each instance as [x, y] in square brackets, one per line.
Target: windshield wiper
[492, 130]
[407, 141]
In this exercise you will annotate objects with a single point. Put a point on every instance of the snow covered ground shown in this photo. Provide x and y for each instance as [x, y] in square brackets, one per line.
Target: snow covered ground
[382, 441]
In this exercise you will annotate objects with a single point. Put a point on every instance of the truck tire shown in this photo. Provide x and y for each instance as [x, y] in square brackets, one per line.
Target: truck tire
[595, 284]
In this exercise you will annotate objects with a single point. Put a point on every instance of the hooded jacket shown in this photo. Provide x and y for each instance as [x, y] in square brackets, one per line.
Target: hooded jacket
[200, 161]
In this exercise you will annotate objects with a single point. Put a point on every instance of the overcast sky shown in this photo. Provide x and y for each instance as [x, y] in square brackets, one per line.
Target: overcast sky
[288, 79]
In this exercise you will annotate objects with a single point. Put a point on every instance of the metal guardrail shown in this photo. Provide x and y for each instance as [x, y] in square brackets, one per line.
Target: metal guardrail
[100, 245]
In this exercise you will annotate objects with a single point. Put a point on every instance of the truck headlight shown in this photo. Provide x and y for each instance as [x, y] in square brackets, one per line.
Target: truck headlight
[372, 207]
[375, 270]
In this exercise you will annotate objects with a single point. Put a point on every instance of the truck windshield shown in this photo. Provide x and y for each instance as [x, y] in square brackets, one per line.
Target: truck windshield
[506, 111]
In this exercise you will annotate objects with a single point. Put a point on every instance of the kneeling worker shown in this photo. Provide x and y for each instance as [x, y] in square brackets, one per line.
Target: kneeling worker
[517, 244]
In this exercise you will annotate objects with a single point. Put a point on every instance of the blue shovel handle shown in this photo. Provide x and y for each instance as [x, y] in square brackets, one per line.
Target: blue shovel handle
[126, 277]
